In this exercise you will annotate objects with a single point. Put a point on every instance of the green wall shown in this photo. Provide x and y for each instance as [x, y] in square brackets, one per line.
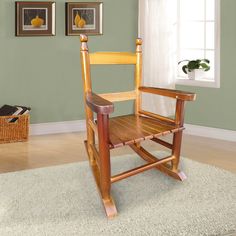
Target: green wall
[217, 107]
[44, 72]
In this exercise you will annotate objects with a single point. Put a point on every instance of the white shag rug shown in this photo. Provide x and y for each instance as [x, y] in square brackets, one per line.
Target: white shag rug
[63, 200]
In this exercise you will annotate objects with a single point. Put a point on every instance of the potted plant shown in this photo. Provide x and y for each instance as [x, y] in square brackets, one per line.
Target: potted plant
[195, 68]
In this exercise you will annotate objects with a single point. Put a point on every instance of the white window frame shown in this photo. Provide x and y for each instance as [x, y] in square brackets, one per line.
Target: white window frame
[216, 82]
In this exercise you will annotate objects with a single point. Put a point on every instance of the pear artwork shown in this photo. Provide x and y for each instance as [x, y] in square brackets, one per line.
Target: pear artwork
[37, 22]
[79, 21]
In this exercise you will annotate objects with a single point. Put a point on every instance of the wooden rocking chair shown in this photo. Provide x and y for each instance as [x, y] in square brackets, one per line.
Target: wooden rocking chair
[130, 129]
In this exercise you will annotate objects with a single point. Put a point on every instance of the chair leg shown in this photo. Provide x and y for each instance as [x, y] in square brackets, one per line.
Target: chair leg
[105, 182]
[177, 140]
[105, 166]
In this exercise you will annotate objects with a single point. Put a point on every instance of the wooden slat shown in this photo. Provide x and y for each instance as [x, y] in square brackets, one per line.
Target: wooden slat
[112, 58]
[154, 124]
[158, 126]
[129, 129]
[118, 97]
[132, 125]
[117, 131]
[129, 134]
[144, 126]
[116, 137]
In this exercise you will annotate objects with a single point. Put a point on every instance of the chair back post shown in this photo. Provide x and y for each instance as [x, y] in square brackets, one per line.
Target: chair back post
[138, 75]
[84, 56]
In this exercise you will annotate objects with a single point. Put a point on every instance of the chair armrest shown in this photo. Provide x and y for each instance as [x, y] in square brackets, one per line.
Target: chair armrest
[182, 95]
[99, 104]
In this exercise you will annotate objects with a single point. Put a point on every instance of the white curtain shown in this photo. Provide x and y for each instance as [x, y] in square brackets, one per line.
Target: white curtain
[157, 28]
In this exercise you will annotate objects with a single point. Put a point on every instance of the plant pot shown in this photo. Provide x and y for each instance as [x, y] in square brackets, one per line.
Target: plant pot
[196, 74]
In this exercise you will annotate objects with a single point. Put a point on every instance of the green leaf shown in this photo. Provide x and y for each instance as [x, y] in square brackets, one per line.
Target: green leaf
[184, 68]
[182, 61]
[193, 65]
[204, 65]
[206, 60]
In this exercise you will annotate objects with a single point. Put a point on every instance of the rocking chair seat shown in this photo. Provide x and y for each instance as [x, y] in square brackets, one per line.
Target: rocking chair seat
[130, 129]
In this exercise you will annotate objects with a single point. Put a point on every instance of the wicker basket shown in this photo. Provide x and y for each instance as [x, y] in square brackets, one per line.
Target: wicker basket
[17, 131]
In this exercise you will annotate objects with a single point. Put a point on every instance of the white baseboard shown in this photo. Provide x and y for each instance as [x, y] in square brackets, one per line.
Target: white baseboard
[208, 132]
[58, 127]
[79, 125]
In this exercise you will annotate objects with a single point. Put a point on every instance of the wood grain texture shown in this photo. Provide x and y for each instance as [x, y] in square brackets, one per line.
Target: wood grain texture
[177, 94]
[138, 75]
[129, 129]
[177, 139]
[118, 97]
[96, 154]
[164, 168]
[140, 169]
[156, 116]
[87, 88]
[112, 58]
[163, 143]
[108, 203]
[105, 165]
[99, 104]
[93, 125]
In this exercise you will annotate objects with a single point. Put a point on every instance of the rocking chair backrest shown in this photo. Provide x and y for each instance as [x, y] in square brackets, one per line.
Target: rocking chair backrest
[113, 58]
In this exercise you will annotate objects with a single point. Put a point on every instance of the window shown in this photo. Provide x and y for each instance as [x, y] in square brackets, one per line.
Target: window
[198, 37]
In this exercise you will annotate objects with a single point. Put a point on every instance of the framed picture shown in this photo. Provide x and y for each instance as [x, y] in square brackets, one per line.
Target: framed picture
[35, 18]
[83, 18]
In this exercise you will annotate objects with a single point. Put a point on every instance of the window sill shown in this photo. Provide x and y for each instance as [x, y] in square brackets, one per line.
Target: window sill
[198, 83]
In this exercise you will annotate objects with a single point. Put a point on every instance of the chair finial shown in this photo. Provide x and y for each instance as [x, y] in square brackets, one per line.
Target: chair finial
[139, 41]
[83, 38]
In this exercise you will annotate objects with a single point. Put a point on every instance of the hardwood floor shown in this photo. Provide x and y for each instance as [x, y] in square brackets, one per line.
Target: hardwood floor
[49, 150]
